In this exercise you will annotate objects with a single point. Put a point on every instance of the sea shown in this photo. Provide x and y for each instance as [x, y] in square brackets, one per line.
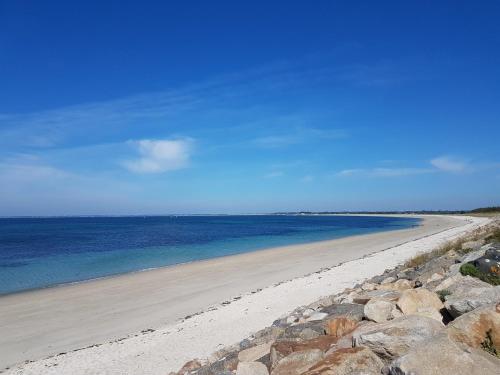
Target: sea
[43, 252]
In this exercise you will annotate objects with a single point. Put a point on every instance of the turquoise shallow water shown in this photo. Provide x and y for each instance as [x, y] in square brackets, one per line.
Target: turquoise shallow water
[41, 252]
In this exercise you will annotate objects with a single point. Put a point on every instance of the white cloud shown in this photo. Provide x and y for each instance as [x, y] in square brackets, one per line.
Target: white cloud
[158, 156]
[449, 164]
[384, 172]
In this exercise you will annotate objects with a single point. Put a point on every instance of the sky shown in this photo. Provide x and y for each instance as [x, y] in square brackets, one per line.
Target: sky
[121, 107]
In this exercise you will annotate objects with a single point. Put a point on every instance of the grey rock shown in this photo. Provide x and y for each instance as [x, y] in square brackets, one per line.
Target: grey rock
[472, 256]
[254, 353]
[351, 310]
[394, 338]
[443, 356]
[378, 310]
[303, 331]
[460, 303]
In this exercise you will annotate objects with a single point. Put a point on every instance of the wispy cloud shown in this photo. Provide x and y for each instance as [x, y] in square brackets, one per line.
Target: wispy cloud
[158, 156]
[384, 172]
[299, 134]
[449, 164]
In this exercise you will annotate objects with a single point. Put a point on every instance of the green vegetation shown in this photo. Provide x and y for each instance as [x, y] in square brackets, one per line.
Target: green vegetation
[442, 294]
[469, 269]
[488, 346]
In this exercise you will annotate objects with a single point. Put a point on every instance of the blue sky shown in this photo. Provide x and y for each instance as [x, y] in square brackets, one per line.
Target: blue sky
[226, 107]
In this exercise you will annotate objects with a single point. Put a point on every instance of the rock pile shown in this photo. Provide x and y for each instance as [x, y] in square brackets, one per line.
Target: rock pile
[423, 320]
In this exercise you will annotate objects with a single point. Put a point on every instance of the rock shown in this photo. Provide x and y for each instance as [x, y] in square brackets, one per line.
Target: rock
[317, 316]
[378, 310]
[388, 280]
[472, 328]
[282, 349]
[307, 312]
[298, 362]
[351, 310]
[254, 353]
[454, 269]
[351, 361]
[400, 285]
[443, 356]
[190, 366]
[221, 366]
[391, 295]
[462, 302]
[394, 338]
[368, 286]
[414, 299]
[339, 326]
[435, 277]
[251, 368]
[430, 313]
[461, 284]
[472, 256]
[396, 313]
[303, 331]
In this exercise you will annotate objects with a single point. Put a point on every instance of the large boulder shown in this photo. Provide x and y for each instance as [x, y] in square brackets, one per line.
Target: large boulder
[443, 356]
[298, 362]
[473, 328]
[457, 350]
[394, 338]
[349, 361]
[378, 310]
[460, 303]
[460, 284]
[411, 301]
[251, 368]
[282, 349]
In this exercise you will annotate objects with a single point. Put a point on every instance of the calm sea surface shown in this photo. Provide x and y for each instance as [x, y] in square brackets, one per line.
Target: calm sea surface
[40, 252]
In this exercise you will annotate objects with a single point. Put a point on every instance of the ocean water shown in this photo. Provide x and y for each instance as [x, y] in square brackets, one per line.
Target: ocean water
[42, 252]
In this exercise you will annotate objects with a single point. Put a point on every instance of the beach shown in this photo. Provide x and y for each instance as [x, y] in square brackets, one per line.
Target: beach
[136, 323]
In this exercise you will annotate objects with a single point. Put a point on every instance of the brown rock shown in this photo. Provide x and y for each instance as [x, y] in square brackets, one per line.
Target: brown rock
[472, 328]
[282, 349]
[190, 366]
[414, 299]
[350, 361]
[340, 326]
[298, 362]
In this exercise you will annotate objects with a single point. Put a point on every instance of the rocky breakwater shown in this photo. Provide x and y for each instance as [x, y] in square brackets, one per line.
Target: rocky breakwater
[430, 318]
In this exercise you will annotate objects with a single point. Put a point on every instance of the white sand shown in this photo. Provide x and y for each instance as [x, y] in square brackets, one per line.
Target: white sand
[41, 323]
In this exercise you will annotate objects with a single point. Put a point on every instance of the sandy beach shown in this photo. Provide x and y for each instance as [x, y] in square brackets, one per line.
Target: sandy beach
[134, 323]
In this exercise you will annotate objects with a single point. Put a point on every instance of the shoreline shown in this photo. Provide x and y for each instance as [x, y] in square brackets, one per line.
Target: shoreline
[272, 248]
[354, 249]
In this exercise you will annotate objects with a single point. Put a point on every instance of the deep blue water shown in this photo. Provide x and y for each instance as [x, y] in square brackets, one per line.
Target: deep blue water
[40, 252]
